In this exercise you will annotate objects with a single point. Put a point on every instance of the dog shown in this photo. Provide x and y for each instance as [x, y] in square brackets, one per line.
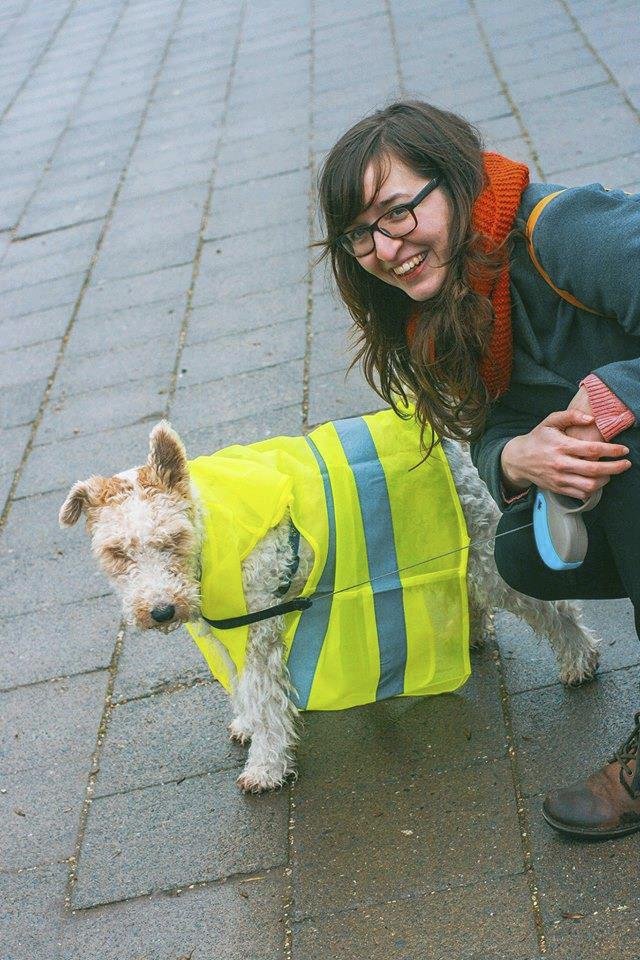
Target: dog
[146, 526]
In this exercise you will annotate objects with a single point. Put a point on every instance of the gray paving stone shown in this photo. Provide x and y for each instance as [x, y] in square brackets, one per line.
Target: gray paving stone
[40, 809]
[285, 201]
[334, 396]
[370, 848]
[266, 273]
[68, 639]
[14, 441]
[122, 259]
[467, 923]
[158, 838]
[225, 921]
[564, 733]
[135, 291]
[43, 218]
[105, 409]
[20, 404]
[135, 325]
[147, 666]
[589, 907]
[48, 580]
[32, 527]
[574, 138]
[50, 723]
[611, 173]
[254, 392]
[31, 913]
[55, 466]
[230, 355]
[529, 662]
[154, 181]
[70, 242]
[167, 737]
[40, 296]
[28, 364]
[224, 253]
[117, 366]
[245, 314]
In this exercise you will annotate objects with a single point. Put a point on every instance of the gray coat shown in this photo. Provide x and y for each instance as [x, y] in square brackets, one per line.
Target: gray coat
[588, 241]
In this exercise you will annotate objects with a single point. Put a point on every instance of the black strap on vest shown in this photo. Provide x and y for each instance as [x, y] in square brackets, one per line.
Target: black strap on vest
[301, 603]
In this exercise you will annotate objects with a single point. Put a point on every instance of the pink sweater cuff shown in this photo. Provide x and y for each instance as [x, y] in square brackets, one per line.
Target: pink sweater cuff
[612, 416]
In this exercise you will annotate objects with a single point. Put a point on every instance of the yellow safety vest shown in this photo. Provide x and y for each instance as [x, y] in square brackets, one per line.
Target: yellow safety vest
[354, 496]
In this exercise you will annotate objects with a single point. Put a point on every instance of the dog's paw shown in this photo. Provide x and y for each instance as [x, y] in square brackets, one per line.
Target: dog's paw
[238, 733]
[576, 674]
[259, 779]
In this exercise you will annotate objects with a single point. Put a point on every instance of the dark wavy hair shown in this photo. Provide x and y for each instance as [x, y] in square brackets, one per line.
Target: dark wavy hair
[445, 385]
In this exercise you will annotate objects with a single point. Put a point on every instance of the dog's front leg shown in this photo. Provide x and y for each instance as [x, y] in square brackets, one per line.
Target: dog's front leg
[267, 712]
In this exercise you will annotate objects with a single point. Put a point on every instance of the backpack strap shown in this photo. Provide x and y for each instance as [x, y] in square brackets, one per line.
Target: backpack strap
[533, 218]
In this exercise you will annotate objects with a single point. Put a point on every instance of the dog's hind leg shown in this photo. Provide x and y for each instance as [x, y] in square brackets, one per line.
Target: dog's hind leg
[560, 621]
[267, 711]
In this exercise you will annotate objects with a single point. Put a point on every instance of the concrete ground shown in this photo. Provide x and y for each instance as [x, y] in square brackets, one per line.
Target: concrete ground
[158, 161]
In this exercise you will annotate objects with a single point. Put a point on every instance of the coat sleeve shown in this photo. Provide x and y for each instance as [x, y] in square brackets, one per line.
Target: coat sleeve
[502, 425]
[588, 241]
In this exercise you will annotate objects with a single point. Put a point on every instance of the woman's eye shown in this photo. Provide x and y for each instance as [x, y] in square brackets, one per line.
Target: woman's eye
[397, 214]
[358, 234]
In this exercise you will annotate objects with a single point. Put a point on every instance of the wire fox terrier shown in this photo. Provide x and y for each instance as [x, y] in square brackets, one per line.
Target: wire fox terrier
[146, 531]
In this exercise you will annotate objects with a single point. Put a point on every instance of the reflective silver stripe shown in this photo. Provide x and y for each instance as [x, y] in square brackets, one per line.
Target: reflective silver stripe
[314, 623]
[375, 508]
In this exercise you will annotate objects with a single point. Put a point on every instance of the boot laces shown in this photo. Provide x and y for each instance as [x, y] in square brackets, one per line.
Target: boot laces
[625, 754]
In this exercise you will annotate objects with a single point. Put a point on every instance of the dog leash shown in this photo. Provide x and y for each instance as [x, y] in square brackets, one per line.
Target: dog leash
[303, 603]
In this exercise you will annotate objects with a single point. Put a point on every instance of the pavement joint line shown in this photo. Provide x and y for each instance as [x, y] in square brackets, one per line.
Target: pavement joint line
[369, 903]
[564, 93]
[589, 163]
[521, 806]
[311, 213]
[19, 871]
[558, 683]
[45, 233]
[83, 88]
[94, 768]
[233, 763]
[484, 39]
[66, 603]
[36, 63]
[395, 47]
[57, 679]
[566, 6]
[164, 892]
[170, 686]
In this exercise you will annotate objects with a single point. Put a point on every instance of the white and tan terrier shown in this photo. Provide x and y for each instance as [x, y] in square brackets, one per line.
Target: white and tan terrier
[146, 530]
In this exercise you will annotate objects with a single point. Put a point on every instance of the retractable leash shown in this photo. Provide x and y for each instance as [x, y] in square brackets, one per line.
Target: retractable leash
[303, 603]
[559, 530]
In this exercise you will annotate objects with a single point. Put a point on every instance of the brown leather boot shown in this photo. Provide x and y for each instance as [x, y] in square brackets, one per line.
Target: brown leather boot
[606, 804]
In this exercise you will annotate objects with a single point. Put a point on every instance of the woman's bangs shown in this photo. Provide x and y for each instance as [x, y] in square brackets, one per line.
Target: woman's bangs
[348, 200]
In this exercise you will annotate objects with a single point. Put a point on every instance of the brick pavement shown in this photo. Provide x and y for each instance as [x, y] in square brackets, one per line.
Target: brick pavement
[149, 149]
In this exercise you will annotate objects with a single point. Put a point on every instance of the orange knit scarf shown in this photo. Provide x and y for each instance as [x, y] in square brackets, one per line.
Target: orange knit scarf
[493, 215]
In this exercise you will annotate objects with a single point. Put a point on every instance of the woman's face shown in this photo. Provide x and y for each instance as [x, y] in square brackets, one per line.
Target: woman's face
[428, 243]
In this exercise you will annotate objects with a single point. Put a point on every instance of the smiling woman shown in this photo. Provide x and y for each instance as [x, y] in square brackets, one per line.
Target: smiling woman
[509, 312]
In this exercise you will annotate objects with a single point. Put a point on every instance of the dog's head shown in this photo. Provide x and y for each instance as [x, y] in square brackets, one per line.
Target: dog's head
[144, 533]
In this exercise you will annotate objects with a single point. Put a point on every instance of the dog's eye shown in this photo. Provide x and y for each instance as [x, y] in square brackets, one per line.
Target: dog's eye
[119, 555]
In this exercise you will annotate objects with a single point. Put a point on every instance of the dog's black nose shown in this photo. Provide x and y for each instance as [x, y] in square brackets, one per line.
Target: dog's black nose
[162, 614]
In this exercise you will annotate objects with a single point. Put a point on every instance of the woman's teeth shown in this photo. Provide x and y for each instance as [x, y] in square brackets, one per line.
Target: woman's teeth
[409, 265]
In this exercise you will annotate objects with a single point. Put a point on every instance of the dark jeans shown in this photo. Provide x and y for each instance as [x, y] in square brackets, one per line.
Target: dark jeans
[612, 566]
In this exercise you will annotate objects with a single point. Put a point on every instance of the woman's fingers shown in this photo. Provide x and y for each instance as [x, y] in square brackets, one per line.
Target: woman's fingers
[593, 449]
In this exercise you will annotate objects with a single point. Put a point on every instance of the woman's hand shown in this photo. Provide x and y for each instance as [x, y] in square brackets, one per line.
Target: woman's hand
[563, 453]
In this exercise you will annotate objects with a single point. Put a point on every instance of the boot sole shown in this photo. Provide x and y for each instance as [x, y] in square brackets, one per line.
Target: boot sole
[585, 833]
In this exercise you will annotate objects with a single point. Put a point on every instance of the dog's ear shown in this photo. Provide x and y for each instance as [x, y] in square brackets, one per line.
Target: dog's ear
[168, 458]
[78, 499]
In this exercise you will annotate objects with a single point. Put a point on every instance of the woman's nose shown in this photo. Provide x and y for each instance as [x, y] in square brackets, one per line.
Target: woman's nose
[386, 247]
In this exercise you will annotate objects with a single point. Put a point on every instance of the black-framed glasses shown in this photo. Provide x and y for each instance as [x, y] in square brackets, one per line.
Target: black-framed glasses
[397, 222]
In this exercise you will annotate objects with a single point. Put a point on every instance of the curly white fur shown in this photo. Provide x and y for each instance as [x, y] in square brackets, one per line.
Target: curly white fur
[139, 512]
